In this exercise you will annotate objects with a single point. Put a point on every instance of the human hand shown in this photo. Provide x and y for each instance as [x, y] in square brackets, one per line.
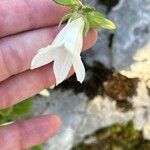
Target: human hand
[25, 27]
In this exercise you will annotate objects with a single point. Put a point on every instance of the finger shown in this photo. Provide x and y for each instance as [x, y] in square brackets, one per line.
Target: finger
[16, 52]
[25, 134]
[21, 15]
[29, 83]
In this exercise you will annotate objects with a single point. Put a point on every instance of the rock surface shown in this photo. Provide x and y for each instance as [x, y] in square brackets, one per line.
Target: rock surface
[131, 43]
[80, 117]
[126, 49]
[101, 52]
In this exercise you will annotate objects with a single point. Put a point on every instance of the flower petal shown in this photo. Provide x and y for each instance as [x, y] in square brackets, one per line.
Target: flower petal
[62, 64]
[43, 57]
[79, 68]
[71, 35]
[74, 40]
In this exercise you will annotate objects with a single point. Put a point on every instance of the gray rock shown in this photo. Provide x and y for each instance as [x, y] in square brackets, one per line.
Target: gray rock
[131, 46]
[93, 3]
[130, 49]
[146, 131]
[101, 52]
[141, 104]
[80, 117]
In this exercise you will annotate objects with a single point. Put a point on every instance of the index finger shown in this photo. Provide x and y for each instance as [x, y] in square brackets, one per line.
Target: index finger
[22, 15]
[25, 134]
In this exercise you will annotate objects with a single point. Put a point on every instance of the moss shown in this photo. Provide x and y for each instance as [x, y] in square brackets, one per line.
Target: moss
[116, 137]
[120, 87]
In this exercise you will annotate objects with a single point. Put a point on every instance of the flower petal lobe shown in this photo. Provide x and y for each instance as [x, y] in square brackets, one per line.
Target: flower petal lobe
[79, 68]
[62, 64]
[43, 57]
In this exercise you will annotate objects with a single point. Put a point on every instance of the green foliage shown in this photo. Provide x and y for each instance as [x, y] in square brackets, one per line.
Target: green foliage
[19, 110]
[87, 25]
[92, 18]
[67, 2]
[38, 147]
[22, 108]
[97, 20]
[117, 137]
[87, 8]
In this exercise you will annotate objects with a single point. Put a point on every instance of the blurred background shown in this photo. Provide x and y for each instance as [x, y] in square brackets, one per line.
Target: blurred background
[111, 109]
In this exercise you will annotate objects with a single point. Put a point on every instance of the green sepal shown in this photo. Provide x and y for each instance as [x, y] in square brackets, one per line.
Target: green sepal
[87, 8]
[69, 3]
[66, 17]
[97, 20]
[87, 26]
[6, 112]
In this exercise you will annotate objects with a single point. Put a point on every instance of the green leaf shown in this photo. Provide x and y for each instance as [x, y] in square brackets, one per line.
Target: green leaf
[12, 113]
[66, 17]
[67, 2]
[22, 108]
[88, 8]
[87, 26]
[38, 147]
[97, 20]
[6, 112]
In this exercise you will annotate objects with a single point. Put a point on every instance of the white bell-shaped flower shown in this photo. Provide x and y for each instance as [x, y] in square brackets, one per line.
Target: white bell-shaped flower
[64, 51]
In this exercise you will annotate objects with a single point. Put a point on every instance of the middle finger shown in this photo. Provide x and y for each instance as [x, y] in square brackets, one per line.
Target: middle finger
[17, 51]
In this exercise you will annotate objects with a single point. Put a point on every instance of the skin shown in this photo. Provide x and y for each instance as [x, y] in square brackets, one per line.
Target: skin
[25, 27]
